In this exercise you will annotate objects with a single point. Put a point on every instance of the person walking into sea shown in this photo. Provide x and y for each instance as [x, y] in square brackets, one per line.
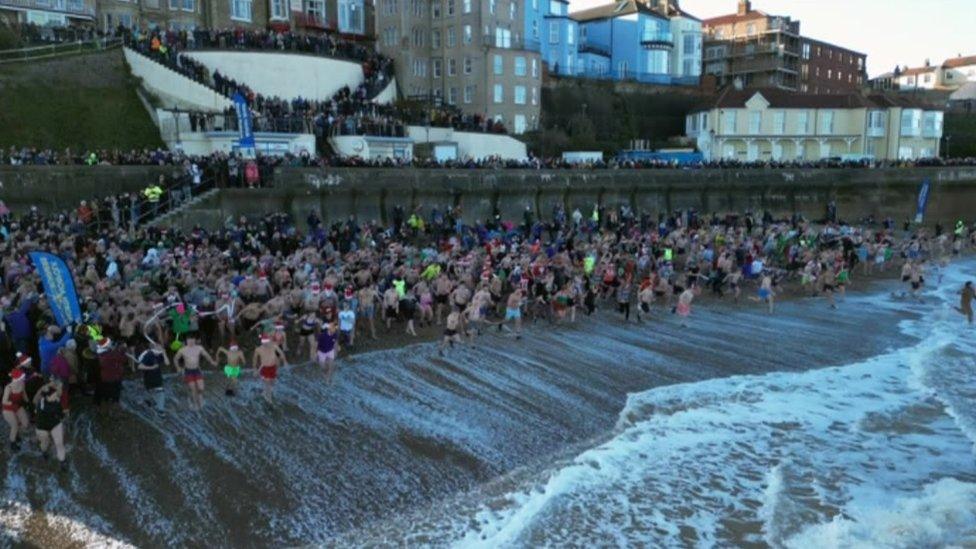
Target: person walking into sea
[267, 359]
[966, 301]
[187, 361]
[328, 348]
[683, 308]
[232, 367]
[766, 294]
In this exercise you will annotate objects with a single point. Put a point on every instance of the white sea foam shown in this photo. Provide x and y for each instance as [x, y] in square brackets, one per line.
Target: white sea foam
[804, 460]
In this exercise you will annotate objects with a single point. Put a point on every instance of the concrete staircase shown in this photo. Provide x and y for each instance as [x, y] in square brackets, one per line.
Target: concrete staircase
[195, 211]
[175, 90]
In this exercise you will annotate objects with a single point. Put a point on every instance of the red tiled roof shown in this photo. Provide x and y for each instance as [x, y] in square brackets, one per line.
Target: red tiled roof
[959, 62]
[733, 18]
[916, 70]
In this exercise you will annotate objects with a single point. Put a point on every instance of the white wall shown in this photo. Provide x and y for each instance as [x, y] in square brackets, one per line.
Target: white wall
[174, 89]
[472, 145]
[285, 75]
[204, 143]
[371, 147]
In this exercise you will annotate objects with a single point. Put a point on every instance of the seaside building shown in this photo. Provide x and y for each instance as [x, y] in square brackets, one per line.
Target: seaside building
[350, 18]
[772, 124]
[757, 49]
[54, 13]
[468, 53]
[951, 75]
[551, 31]
[650, 41]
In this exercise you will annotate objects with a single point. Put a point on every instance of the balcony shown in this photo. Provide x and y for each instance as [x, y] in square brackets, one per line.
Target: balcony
[68, 7]
[657, 39]
[595, 49]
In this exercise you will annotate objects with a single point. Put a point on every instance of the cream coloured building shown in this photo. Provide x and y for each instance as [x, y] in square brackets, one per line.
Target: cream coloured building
[778, 125]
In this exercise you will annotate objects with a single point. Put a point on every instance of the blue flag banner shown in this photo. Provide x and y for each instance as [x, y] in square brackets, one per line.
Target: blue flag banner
[59, 287]
[923, 199]
[245, 131]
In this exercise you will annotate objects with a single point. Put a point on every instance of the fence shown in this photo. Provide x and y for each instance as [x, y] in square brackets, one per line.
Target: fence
[57, 50]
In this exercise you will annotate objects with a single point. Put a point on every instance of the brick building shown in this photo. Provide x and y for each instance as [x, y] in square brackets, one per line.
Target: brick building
[756, 49]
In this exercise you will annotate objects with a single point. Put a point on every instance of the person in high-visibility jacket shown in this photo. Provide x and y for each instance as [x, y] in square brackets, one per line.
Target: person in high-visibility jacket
[92, 159]
[153, 194]
[960, 227]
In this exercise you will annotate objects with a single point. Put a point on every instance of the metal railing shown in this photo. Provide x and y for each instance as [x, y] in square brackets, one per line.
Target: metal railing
[657, 37]
[174, 196]
[55, 50]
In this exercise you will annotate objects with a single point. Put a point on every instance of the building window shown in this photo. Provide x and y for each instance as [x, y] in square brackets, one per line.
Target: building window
[418, 38]
[806, 51]
[491, 7]
[420, 67]
[729, 122]
[450, 9]
[503, 38]
[451, 37]
[535, 29]
[499, 65]
[519, 95]
[519, 66]
[316, 9]
[173, 4]
[452, 96]
[927, 78]
[466, 6]
[520, 125]
[804, 71]
[830, 74]
[512, 9]
[755, 122]
[535, 68]
[240, 10]
[452, 67]
[279, 9]
[468, 93]
[467, 65]
[535, 96]
[435, 65]
[499, 93]
[351, 16]
[751, 29]
[779, 122]
[466, 34]
[435, 9]
[827, 122]
[553, 32]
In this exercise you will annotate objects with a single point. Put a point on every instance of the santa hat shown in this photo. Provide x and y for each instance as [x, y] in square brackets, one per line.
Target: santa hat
[104, 345]
[349, 292]
[316, 288]
[279, 327]
[265, 338]
[23, 361]
[17, 374]
[233, 345]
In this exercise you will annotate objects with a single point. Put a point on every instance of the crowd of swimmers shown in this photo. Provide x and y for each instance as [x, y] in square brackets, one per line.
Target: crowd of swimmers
[263, 295]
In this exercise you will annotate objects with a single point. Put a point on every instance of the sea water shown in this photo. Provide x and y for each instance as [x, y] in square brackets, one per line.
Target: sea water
[879, 453]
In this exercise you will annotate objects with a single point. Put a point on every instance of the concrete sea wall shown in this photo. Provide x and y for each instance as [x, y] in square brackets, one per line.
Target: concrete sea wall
[373, 193]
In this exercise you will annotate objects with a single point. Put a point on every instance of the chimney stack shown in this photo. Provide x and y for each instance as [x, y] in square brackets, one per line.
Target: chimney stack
[745, 6]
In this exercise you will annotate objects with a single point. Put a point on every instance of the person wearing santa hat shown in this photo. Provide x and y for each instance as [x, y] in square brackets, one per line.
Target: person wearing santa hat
[14, 398]
[268, 357]
[232, 366]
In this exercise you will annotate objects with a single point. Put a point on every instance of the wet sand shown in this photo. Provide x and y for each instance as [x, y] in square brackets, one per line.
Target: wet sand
[400, 430]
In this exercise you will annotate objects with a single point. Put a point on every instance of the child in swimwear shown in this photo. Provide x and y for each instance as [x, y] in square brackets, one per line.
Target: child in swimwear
[232, 367]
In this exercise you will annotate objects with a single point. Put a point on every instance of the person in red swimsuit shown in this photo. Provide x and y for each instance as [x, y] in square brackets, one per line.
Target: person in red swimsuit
[267, 358]
[13, 401]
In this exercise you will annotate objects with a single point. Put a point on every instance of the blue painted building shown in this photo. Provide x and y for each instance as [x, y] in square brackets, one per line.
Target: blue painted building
[551, 31]
[652, 41]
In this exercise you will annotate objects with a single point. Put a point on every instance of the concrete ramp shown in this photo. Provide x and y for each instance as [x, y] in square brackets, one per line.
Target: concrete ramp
[471, 145]
[172, 88]
[285, 75]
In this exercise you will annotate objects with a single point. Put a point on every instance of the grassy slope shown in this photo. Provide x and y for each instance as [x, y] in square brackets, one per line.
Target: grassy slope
[83, 102]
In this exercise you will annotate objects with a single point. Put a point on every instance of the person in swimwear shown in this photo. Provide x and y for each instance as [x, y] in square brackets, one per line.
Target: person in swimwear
[683, 308]
[513, 312]
[966, 301]
[49, 416]
[232, 366]
[14, 398]
[327, 349]
[187, 362]
[267, 359]
[766, 294]
[306, 330]
[452, 329]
